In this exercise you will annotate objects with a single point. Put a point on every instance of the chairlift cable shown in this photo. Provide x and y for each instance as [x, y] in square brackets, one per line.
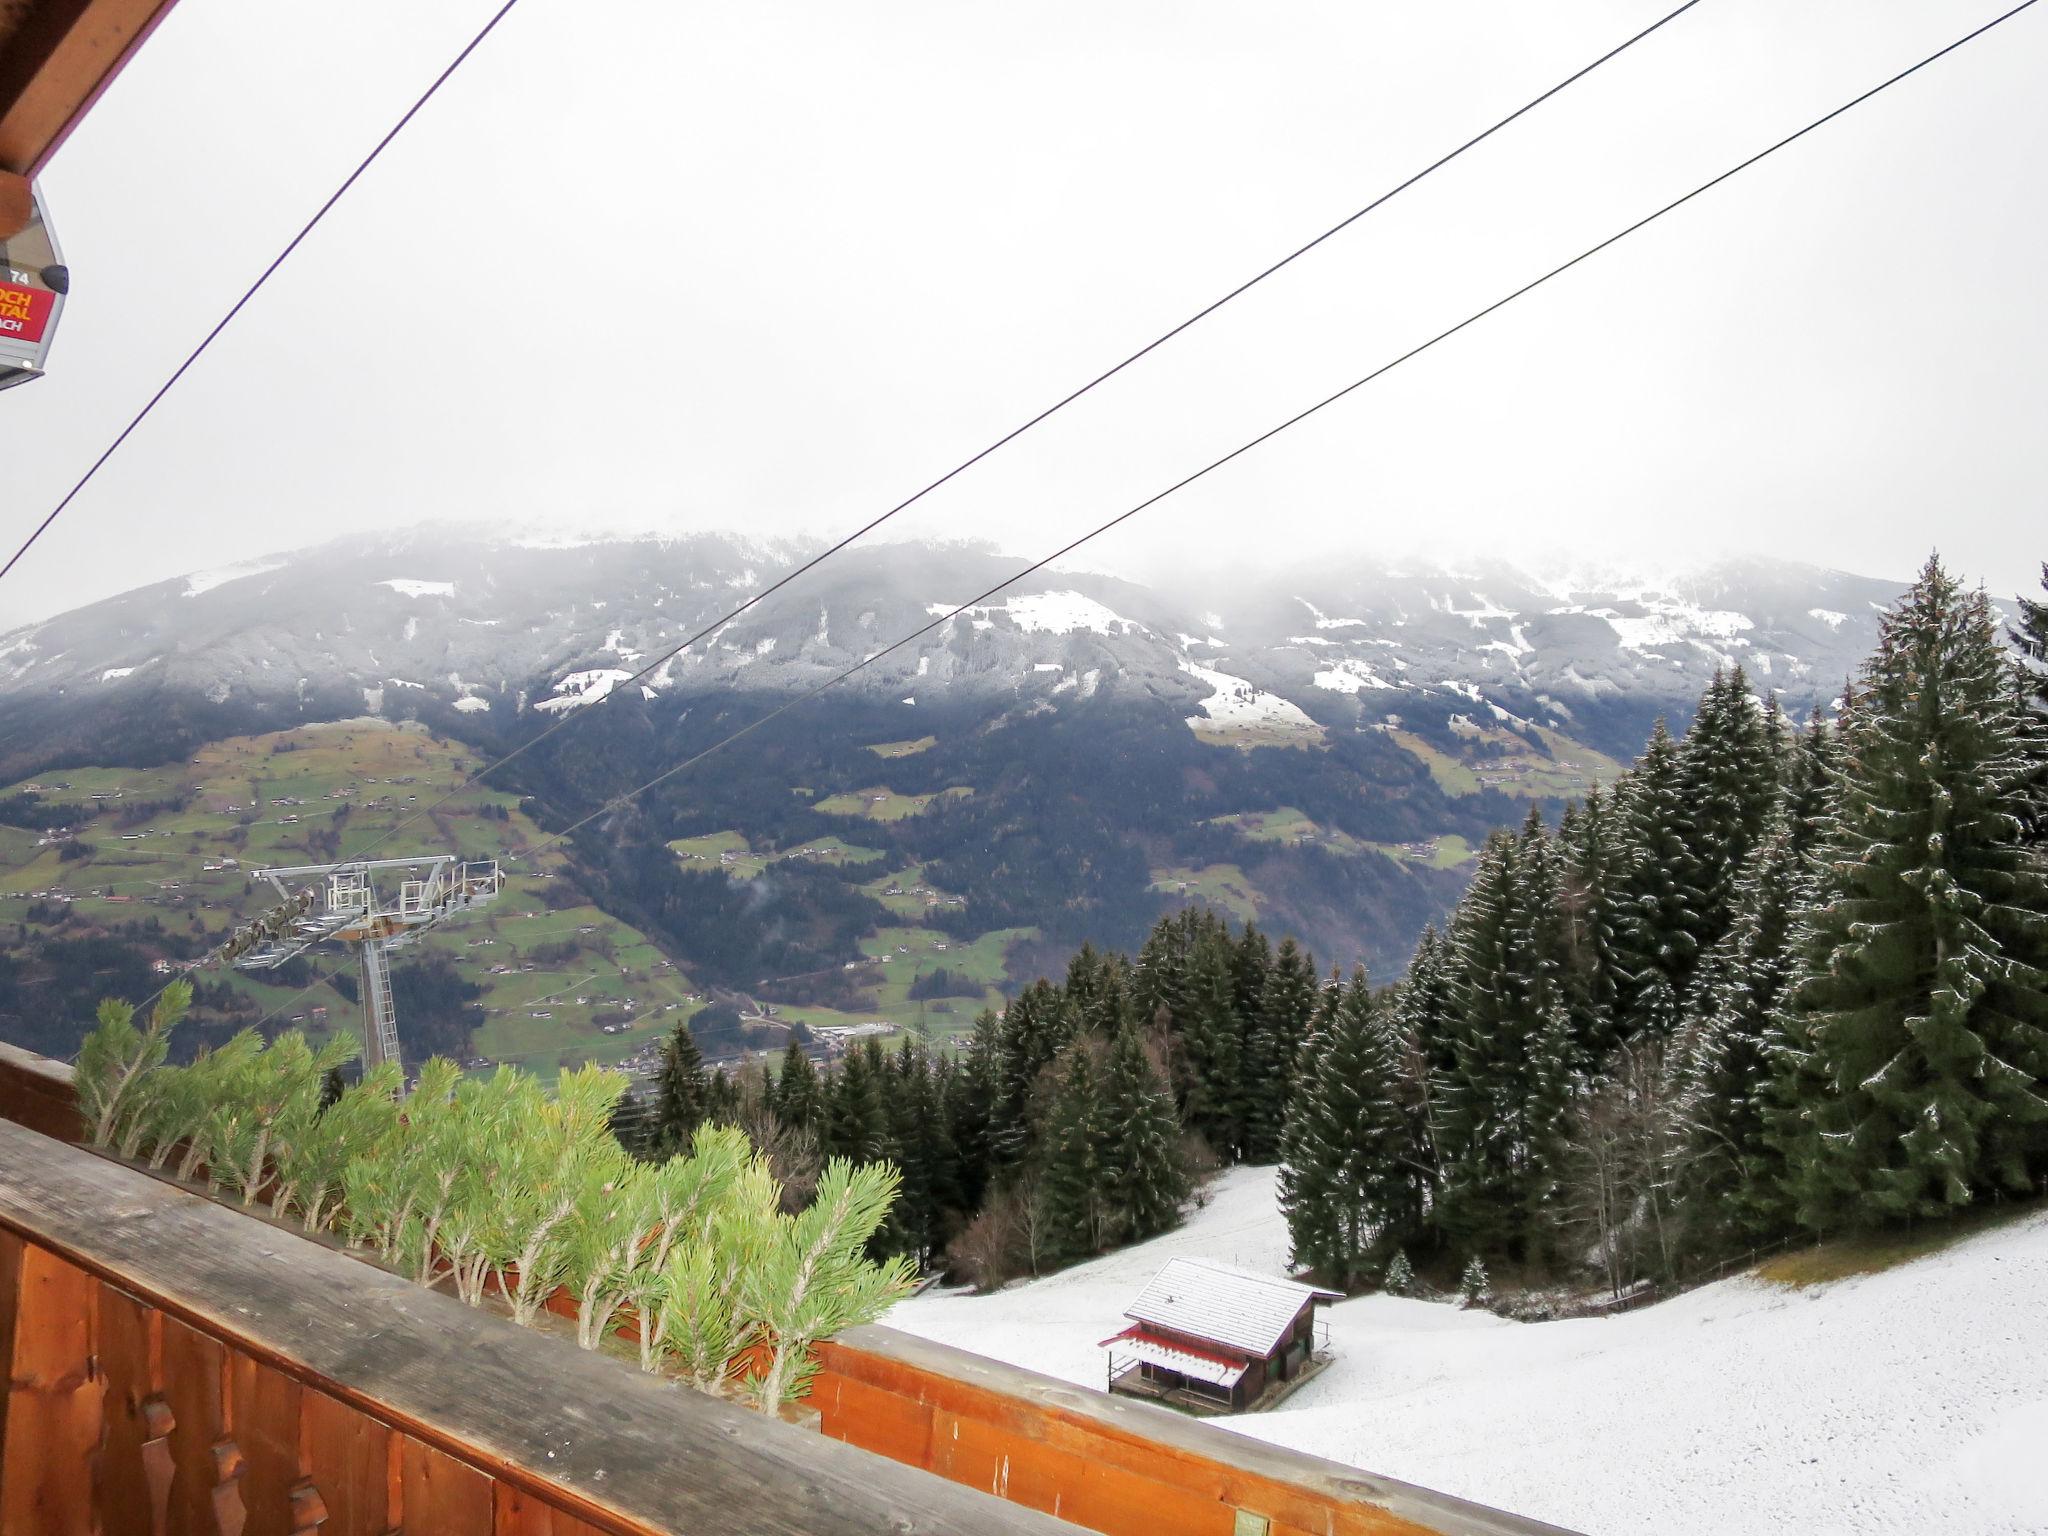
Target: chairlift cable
[1272, 432]
[251, 291]
[1057, 406]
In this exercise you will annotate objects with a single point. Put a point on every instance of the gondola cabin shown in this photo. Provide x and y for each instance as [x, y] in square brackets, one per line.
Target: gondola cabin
[1212, 1338]
[33, 282]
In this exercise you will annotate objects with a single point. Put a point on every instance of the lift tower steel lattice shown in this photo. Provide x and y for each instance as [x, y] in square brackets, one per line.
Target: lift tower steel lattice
[351, 910]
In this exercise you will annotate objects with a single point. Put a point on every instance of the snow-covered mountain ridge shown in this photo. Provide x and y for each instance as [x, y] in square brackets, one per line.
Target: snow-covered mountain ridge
[510, 626]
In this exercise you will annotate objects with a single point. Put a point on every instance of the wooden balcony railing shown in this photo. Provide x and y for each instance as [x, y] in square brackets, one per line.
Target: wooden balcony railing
[179, 1368]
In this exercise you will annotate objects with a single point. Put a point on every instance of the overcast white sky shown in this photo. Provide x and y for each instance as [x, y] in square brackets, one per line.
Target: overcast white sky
[774, 265]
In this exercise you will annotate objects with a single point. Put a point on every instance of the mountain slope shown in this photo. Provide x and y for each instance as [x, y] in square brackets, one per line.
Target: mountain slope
[1906, 1401]
[1319, 750]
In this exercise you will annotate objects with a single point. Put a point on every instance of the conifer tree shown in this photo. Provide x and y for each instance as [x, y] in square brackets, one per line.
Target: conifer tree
[1924, 1010]
[1734, 1190]
[1662, 900]
[1211, 1044]
[1730, 767]
[679, 1094]
[1343, 1187]
[799, 1100]
[856, 1120]
[970, 1107]
[2031, 636]
[1486, 1093]
[1071, 1188]
[1143, 1177]
[1590, 889]
[1279, 1025]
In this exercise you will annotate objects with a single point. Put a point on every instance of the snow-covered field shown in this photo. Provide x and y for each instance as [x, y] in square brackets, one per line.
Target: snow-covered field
[1910, 1401]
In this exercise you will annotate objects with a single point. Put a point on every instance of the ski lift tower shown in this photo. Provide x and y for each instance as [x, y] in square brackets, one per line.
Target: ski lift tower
[374, 905]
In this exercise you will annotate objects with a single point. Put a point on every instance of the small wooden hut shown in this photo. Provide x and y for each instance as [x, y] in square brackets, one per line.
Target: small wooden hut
[1217, 1339]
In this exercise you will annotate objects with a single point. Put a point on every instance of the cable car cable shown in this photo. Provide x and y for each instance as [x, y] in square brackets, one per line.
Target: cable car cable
[1272, 432]
[1057, 406]
[251, 291]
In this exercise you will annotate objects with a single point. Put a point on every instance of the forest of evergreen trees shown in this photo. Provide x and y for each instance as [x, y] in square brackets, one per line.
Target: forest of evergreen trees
[1777, 979]
[1774, 981]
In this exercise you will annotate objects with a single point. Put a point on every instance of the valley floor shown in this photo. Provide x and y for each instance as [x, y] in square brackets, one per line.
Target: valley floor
[1911, 1400]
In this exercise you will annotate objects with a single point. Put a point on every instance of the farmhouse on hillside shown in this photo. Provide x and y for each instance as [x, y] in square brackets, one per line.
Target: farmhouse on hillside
[1215, 1339]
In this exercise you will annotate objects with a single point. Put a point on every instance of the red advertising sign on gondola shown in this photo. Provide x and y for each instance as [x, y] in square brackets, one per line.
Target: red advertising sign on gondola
[24, 311]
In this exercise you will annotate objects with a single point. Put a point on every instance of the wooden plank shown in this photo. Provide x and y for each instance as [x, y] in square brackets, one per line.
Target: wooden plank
[37, 1092]
[129, 1344]
[193, 1366]
[589, 1436]
[55, 1402]
[519, 1514]
[348, 1456]
[265, 1410]
[10, 1280]
[438, 1495]
[1153, 1442]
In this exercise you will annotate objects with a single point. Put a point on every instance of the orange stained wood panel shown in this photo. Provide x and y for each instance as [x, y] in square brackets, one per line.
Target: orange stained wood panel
[520, 1514]
[193, 1365]
[264, 1406]
[55, 1401]
[348, 1456]
[1112, 1480]
[438, 1495]
[886, 1423]
[10, 1280]
[128, 1351]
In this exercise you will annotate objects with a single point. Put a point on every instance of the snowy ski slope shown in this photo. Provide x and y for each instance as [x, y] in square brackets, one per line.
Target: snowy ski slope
[1910, 1401]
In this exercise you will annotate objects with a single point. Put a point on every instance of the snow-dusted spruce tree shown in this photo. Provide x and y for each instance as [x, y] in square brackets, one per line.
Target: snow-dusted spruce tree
[1731, 764]
[1733, 1175]
[1590, 893]
[1072, 1188]
[1473, 1285]
[1279, 1024]
[1660, 912]
[1344, 1186]
[1400, 1276]
[1144, 1177]
[1503, 1017]
[1925, 1008]
[116, 1063]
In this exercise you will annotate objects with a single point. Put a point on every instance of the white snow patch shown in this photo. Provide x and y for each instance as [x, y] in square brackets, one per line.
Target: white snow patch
[1211, 621]
[1326, 623]
[1665, 622]
[765, 646]
[373, 700]
[412, 626]
[580, 688]
[470, 704]
[220, 576]
[1054, 613]
[1740, 1409]
[1350, 676]
[1045, 666]
[924, 665]
[1828, 616]
[1233, 701]
[405, 586]
[113, 672]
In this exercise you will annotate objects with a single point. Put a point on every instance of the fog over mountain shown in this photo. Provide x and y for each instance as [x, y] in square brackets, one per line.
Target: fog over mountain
[458, 623]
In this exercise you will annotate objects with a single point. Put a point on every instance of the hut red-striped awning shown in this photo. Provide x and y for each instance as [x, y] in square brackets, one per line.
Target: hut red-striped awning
[1189, 1360]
